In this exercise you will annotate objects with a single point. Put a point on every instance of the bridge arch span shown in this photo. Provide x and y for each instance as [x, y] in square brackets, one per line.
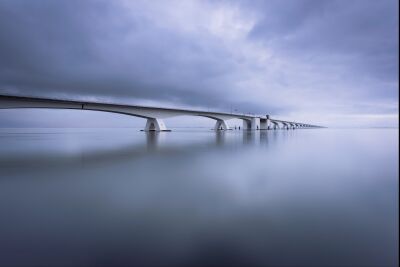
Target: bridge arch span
[154, 115]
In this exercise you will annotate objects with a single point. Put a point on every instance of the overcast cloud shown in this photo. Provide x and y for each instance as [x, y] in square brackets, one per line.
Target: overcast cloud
[326, 62]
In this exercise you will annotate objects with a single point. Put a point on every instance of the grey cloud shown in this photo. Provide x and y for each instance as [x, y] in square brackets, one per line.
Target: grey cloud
[96, 48]
[320, 52]
[361, 36]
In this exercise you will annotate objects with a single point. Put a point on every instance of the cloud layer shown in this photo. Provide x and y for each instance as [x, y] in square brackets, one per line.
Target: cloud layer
[332, 62]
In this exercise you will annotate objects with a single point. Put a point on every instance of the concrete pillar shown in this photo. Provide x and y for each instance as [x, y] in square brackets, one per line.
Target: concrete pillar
[255, 124]
[221, 125]
[153, 124]
[264, 124]
[246, 124]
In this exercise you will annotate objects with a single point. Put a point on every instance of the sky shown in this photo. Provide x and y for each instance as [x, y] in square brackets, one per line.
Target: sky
[325, 62]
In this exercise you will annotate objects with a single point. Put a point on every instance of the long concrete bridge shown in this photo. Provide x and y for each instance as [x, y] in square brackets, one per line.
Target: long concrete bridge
[154, 115]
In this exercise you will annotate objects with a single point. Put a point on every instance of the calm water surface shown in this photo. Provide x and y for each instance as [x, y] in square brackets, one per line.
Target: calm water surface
[121, 197]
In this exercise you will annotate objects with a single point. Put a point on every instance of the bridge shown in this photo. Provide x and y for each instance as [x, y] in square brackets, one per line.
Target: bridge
[153, 115]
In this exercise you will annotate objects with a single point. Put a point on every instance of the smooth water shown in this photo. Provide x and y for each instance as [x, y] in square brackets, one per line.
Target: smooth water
[121, 197]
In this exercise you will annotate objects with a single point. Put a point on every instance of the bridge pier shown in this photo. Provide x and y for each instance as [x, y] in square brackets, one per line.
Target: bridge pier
[255, 124]
[154, 124]
[246, 124]
[251, 124]
[221, 125]
[263, 124]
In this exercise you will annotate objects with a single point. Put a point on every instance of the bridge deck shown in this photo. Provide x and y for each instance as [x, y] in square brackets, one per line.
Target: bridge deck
[38, 100]
[153, 114]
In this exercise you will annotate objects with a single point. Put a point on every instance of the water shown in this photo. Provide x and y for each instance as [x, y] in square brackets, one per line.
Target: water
[121, 197]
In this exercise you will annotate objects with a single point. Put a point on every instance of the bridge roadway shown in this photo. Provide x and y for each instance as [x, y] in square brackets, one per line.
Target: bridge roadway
[154, 115]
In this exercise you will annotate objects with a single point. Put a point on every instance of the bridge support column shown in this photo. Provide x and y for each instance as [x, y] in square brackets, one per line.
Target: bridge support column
[155, 125]
[246, 124]
[251, 124]
[264, 124]
[221, 125]
[255, 124]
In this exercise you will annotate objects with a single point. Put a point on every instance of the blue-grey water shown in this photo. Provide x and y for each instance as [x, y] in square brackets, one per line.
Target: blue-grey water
[121, 197]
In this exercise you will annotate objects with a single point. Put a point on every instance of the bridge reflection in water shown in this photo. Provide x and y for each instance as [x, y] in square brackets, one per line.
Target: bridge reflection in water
[141, 144]
[198, 198]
